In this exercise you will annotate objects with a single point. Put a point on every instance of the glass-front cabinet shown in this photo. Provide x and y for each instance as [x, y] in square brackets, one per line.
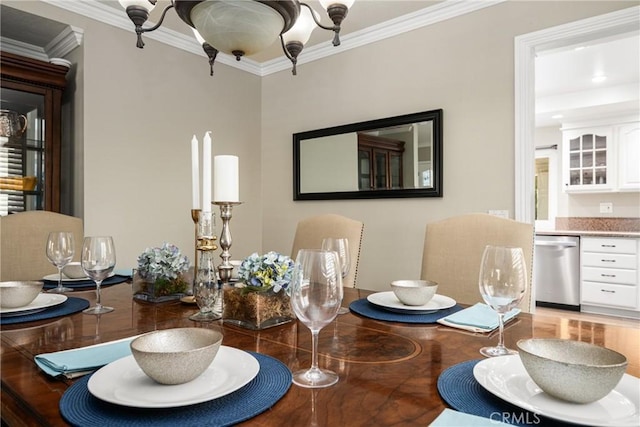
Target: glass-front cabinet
[588, 159]
[30, 134]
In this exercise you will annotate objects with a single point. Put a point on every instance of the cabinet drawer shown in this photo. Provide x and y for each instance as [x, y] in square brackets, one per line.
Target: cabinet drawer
[609, 275]
[609, 245]
[594, 259]
[606, 294]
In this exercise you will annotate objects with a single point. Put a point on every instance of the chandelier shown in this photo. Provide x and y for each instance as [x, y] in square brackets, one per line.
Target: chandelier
[244, 27]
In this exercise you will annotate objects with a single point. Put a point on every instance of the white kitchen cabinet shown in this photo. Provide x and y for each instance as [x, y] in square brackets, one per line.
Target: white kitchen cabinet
[629, 158]
[601, 158]
[610, 283]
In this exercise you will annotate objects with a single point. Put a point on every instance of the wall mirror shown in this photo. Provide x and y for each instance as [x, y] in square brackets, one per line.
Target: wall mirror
[384, 158]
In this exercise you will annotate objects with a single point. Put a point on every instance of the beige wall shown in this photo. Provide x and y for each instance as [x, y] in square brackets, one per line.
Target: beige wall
[464, 66]
[140, 108]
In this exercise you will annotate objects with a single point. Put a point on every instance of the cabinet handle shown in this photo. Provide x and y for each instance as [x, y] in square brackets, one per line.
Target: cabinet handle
[607, 246]
[608, 291]
[608, 260]
[607, 275]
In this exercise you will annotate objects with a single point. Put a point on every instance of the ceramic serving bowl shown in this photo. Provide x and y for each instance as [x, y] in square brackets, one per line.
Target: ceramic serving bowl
[18, 294]
[176, 356]
[414, 292]
[74, 270]
[570, 370]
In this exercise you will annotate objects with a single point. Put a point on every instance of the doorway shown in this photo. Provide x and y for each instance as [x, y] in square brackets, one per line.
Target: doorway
[526, 47]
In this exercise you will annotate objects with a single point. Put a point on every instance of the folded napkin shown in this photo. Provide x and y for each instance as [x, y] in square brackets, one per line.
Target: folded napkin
[80, 361]
[451, 418]
[477, 318]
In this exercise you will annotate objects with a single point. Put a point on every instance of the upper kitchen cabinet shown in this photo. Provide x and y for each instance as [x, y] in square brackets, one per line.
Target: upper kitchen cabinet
[30, 134]
[601, 158]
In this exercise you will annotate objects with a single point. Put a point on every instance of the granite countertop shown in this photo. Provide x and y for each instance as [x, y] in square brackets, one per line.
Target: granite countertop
[594, 227]
[589, 233]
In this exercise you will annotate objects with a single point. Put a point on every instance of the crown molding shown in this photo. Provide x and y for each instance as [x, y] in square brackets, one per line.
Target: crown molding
[428, 16]
[23, 49]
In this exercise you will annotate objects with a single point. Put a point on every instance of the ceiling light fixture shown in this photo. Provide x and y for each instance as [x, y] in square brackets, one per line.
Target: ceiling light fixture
[244, 27]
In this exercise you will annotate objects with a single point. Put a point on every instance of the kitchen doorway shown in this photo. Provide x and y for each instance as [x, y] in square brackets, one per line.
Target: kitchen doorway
[545, 187]
[526, 47]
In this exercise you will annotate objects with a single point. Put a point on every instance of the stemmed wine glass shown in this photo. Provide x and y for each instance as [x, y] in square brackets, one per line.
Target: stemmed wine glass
[316, 295]
[341, 247]
[98, 260]
[60, 250]
[503, 283]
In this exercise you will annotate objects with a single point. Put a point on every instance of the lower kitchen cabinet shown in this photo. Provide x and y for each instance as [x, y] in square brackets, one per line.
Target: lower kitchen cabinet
[610, 283]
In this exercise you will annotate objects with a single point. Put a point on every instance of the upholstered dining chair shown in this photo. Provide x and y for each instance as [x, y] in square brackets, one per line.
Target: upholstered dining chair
[453, 250]
[310, 232]
[23, 238]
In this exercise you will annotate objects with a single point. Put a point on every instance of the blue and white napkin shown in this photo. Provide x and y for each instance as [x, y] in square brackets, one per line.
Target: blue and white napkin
[80, 361]
[477, 318]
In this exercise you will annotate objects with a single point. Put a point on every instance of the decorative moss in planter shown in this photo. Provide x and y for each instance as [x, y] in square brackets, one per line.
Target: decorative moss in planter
[161, 274]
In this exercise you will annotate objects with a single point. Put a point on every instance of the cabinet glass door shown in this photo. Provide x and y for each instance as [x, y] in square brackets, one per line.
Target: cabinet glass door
[380, 169]
[22, 152]
[588, 160]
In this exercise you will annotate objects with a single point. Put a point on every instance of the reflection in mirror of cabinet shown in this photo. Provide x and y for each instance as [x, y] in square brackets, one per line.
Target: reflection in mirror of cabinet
[33, 89]
[602, 158]
[379, 162]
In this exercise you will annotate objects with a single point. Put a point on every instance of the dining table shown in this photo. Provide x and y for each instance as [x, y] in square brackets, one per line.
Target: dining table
[388, 370]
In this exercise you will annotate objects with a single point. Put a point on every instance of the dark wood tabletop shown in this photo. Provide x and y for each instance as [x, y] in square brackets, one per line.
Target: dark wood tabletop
[388, 371]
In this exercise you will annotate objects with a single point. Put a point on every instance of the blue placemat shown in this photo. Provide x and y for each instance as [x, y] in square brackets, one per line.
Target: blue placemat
[364, 308]
[459, 388]
[81, 284]
[70, 306]
[80, 408]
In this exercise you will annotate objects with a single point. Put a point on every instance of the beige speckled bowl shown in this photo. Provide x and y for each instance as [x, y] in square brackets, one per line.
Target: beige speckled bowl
[74, 270]
[18, 294]
[176, 356]
[414, 292]
[570, 370]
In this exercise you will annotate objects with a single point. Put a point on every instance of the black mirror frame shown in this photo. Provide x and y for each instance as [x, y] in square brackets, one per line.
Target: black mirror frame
[434, 116]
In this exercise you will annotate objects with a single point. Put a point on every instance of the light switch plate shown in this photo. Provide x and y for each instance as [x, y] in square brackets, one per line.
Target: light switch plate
[499, 212]
[606, 207]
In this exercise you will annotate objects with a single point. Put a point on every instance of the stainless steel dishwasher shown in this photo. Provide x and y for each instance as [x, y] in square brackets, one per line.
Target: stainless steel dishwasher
[556, 271]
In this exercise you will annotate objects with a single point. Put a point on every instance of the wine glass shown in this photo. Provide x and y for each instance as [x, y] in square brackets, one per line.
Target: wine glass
[316, 295]
[60, 250]
[341, 247]
[98, 260]
[503, 283]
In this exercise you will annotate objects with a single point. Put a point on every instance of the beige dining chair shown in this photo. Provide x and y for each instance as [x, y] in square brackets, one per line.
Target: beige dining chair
[23, 238]
[310, 232]
[453, 250]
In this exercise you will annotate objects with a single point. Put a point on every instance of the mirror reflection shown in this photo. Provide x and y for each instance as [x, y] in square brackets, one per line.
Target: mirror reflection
[393, 157]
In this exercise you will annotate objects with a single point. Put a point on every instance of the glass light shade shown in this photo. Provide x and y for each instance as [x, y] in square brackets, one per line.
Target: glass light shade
[247, 26]
[327, 3]
[302, 29]
[141, 3]
[198, 37]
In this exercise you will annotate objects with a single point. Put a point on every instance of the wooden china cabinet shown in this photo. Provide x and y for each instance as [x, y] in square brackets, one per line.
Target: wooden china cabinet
[31, 90]
[379, 162]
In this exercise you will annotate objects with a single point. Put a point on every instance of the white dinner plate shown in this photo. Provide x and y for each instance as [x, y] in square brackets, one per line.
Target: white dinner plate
[122, 382]
[389, 301]
[54, 278]
[42, 301]
[507, 378]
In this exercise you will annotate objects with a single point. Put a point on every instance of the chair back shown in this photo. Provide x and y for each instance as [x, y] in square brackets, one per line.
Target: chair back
[311, 231]
[23, 239]
[453, 251]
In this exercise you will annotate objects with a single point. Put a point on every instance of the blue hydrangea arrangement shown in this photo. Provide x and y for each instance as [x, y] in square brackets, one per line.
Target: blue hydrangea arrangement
[163, 262]
[271, 271]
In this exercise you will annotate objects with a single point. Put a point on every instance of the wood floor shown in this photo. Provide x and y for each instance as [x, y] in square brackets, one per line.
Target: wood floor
[599, 318]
